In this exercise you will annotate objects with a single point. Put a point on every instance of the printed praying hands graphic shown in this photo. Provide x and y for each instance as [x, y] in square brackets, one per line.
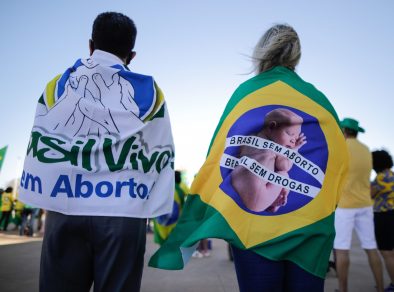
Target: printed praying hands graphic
[79, 113]
[64, 116]
[89, 105]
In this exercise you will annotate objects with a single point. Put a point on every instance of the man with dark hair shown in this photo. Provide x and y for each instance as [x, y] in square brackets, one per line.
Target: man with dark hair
[96, 163]
[355, 209]
[114, 33]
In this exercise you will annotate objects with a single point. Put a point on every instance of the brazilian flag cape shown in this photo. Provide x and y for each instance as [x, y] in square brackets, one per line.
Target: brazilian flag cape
[302, 229]
[164, 224]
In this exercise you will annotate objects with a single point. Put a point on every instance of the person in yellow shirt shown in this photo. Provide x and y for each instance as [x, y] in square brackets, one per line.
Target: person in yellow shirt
[6, 207]
[355, 209]
[18, 208]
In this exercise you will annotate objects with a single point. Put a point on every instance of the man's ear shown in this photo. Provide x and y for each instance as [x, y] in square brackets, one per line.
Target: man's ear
[91, 46]
[130, 57]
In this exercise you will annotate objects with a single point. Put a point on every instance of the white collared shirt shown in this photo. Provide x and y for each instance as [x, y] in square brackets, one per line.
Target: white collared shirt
[106, 58]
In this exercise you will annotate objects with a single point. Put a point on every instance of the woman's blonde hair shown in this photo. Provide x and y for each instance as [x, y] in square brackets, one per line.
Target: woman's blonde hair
[279, 46]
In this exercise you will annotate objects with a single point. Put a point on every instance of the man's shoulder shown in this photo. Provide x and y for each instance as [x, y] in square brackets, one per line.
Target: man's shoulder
[355, 143]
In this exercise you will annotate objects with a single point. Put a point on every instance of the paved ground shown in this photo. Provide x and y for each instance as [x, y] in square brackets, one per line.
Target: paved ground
[19, 264]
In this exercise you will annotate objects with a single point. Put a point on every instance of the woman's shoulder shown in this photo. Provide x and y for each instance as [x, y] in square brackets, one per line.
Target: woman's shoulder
[284, 75]
[385, 176]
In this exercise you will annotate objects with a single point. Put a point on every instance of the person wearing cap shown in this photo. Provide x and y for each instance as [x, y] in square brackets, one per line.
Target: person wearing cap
[355, 208]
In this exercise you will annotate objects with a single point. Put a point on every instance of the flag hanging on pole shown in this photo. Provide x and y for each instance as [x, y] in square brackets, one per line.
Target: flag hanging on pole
[2, 155]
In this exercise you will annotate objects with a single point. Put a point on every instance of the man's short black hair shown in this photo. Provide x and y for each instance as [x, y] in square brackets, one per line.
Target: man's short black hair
[178, 177]
[350, 132]
[9, 190]
[115, 33]
[381, 160]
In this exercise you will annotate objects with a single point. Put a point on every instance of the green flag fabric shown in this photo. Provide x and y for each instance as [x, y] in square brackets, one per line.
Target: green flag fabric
[271, 180]
[2, 155]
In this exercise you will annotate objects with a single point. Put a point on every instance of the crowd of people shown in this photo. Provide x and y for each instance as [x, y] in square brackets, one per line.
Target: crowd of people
[25, 219]
[269, 157]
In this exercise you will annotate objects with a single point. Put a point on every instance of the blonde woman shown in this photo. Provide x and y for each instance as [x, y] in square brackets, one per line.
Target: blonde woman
[277, 53]
[283, 244]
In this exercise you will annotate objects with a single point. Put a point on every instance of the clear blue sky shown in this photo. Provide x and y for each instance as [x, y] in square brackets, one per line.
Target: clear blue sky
[198, 53]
